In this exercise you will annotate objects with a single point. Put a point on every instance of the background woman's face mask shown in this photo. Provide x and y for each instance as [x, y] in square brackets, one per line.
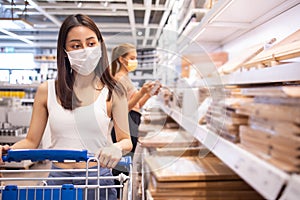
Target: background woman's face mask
[132, 65]
[84, 61]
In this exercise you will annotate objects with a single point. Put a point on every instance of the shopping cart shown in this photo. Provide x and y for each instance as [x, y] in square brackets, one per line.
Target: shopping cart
[65, 191]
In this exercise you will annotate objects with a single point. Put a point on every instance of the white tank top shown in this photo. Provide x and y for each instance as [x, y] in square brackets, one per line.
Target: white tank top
[85, 127]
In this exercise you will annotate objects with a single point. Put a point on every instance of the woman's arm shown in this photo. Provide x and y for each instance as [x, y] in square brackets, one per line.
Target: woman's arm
[140, 97]
[121, 125]
[110, 155]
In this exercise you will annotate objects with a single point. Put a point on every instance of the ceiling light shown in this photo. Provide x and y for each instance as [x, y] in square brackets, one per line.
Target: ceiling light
[140, 33]
[79, 5]
[16, 23]
[105, 4]
[13, 35]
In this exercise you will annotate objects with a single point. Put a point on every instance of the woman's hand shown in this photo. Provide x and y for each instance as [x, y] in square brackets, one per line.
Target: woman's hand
[3, 149]
[156, 88]
[110, 156]
[146, 88]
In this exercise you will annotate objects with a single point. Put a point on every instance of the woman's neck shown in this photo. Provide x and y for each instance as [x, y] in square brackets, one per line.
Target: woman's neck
[122, 71]
[84, 81]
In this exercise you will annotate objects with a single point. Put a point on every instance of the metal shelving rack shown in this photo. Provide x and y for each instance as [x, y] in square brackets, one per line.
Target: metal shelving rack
[225, 22]
[265, 178]
[262, 176]
[147, 60]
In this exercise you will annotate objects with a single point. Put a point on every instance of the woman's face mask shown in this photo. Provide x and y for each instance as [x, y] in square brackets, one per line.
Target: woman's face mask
[132, 65]
[84, 61]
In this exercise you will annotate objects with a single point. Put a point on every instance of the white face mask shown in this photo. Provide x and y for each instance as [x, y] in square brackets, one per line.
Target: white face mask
[84, 61]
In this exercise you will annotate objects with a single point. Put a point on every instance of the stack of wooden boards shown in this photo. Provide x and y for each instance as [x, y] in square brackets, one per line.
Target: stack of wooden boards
[222, 117]
[179, 178]
[167, 138]
[264, 119]
[175, 142]
[264, 54]
[285, 49]
[273, 131]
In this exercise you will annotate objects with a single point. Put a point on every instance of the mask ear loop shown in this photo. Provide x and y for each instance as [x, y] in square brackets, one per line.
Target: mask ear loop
[66, 56]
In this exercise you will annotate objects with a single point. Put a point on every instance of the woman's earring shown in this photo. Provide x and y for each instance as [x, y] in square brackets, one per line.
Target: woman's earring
[71, 71]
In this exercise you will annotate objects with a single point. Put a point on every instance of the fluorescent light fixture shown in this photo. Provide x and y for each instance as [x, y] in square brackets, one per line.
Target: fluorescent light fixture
[79, 5]
[16, 23]
[13, 35]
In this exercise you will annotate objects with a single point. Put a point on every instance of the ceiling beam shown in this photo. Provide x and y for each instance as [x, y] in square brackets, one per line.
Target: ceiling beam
[170, 4]
[97, 6]
[132, 20]
[45, 13]
[71, 12]
[147, 4]
[147, 34]
[156, 3]
[121, 1]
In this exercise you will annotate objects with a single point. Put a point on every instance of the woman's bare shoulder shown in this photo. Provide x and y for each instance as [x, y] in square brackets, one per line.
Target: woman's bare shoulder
[42, 91]
[43, 87]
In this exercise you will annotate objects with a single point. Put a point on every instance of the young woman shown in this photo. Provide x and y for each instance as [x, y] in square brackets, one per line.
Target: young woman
[80, 103]
[124, 60]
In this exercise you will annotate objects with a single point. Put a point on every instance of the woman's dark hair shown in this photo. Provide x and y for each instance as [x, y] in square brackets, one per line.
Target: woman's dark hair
[65, 79]
[117, 52]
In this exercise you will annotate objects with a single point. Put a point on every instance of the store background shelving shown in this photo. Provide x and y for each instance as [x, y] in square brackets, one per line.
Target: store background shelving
[232, 25]
[146, 70]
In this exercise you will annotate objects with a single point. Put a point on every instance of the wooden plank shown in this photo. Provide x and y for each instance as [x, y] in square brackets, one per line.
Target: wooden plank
[221, 123]
[284, 156]
[276, 127]
[285, 49]
[209, 194]
[169, 168]
[235, 64]
[180, 151]
[200, 185]
[274, 91]
[256, 139]
[289, 144]
[283, 165]
[168, 139]
[271, 112]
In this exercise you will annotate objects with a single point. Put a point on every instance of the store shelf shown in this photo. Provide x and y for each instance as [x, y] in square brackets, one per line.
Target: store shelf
[148, 56]
[11, 139]
[262, 176]
[147, 59]
[20, 86]
[144, 69]
[24, 100]
[282, 73]
[229, 19]
[141, 78]
[292, 190]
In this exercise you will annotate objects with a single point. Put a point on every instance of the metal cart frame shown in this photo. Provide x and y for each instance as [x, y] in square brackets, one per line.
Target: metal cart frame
[43, 191]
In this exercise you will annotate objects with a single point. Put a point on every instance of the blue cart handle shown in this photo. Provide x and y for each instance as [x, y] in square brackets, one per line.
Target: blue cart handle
[17, 155]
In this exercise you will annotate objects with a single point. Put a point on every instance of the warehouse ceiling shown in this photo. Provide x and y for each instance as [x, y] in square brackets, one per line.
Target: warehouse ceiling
[36, 23]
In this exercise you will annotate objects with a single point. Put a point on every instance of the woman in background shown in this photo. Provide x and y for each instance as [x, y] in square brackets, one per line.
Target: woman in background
[124, 60]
